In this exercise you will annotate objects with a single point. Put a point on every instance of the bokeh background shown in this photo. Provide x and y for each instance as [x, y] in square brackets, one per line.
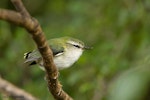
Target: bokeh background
[118, 66]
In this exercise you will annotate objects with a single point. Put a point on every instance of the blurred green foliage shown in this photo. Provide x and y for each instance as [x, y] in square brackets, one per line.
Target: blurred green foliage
[117, 68]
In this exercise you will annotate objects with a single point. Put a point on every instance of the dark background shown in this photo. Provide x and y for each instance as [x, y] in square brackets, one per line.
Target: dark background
[117, 68]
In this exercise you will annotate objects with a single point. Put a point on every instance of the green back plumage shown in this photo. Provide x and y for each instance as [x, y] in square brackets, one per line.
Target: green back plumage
[56, 46]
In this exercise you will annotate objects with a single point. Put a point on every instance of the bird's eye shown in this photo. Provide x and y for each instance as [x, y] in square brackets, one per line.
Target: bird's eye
[77, 46]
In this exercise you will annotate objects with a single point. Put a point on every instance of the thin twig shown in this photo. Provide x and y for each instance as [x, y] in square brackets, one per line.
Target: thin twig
[20, 8]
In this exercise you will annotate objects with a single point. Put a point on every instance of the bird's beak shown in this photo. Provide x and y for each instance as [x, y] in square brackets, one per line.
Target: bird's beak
[87, 48]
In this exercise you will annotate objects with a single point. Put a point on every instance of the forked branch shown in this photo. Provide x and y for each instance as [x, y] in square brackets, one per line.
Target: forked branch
[22, 18]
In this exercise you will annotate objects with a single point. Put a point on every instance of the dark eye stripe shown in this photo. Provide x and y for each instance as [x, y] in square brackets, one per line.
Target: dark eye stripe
[77, 46]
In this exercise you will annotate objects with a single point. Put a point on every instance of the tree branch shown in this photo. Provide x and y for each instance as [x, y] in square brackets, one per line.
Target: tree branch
[23, 18]
[8, 89]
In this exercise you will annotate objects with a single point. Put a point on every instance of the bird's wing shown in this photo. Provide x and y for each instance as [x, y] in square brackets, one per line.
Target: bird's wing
[57, 50]
[34, 56]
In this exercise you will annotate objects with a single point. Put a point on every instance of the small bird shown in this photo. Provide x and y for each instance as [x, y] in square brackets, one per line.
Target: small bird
[66, 51]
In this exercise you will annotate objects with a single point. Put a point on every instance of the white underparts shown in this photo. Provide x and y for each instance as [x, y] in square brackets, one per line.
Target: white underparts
[67, 58]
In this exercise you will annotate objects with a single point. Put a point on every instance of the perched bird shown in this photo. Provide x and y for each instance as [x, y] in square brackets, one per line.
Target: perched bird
[66, 51]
